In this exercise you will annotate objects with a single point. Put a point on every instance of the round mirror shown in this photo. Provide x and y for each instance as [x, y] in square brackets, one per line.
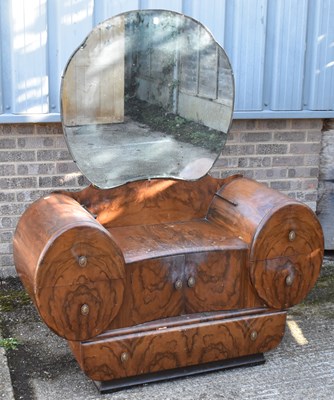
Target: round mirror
[149, 94]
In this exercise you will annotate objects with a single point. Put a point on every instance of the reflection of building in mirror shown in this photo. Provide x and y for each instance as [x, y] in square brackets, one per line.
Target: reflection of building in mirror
[176, 64]
[93, 91]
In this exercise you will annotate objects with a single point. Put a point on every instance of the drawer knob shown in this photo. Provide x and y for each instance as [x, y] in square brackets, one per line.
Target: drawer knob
[82, 260]
[84, 309]
[253, 336]
[178, 284]
[191, 282]
[124, 357]
[289, 280]
[292, 236]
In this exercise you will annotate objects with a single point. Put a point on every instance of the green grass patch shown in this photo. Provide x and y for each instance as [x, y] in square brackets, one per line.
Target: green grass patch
[182, 129]
[9, 343]
[12, 299]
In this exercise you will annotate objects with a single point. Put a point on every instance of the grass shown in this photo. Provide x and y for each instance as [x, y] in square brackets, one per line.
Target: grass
[9, 343]
[183, 130]
[11, 299]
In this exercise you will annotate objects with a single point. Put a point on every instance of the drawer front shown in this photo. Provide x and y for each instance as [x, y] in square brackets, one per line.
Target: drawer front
[192, 283]
[285, 281]
[163, 348]
[151, 291]
[213, 280]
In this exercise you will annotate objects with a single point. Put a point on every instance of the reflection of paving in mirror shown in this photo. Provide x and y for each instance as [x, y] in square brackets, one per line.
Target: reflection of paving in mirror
[148, 153]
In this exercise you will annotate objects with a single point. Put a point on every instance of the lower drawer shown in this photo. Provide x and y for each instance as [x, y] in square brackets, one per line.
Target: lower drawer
[188, 341]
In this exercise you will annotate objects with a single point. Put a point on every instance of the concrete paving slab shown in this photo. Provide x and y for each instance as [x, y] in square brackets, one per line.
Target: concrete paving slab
[6, 390]
[301, 368]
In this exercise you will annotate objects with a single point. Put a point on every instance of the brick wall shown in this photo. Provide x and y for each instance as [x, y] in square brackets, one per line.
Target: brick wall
[34, 160]
[284, 154]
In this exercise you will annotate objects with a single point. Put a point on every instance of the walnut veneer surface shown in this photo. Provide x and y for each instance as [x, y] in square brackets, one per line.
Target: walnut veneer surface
[162, 274]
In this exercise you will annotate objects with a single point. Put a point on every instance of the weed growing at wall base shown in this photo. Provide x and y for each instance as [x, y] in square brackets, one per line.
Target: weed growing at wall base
[9, 343]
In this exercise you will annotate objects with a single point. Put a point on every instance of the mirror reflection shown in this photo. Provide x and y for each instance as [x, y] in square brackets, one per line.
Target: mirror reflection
[149, 94]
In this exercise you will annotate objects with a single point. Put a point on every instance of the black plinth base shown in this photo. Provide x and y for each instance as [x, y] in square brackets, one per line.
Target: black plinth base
[119, 384]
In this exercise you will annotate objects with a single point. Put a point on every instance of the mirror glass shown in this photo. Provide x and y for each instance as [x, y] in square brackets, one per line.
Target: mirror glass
[149, 94]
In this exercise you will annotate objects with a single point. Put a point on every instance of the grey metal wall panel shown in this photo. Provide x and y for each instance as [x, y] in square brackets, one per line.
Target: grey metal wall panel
[320, 56]
[6, 57]
[105, 9]
[1, 100]
[175, 5]
[286, 45]
[29, 48]
[282, 51]
[211, 13]
[68, 24]
[245, 44]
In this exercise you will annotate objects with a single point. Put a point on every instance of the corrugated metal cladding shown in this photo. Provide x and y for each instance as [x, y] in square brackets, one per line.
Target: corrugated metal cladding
[282, 52]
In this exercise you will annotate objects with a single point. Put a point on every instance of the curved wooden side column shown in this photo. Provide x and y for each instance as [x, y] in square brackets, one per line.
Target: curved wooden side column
[70, 266]
[285, 239]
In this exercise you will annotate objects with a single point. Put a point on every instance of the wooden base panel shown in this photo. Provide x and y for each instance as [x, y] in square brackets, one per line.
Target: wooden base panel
[187, 341]
[120, 384]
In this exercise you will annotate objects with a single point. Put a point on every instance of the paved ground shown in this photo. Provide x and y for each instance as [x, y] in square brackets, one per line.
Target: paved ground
[302, 367]
[6, 390]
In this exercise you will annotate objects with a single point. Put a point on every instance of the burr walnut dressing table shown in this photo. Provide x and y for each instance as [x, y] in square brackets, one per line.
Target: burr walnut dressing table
[157, 269]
